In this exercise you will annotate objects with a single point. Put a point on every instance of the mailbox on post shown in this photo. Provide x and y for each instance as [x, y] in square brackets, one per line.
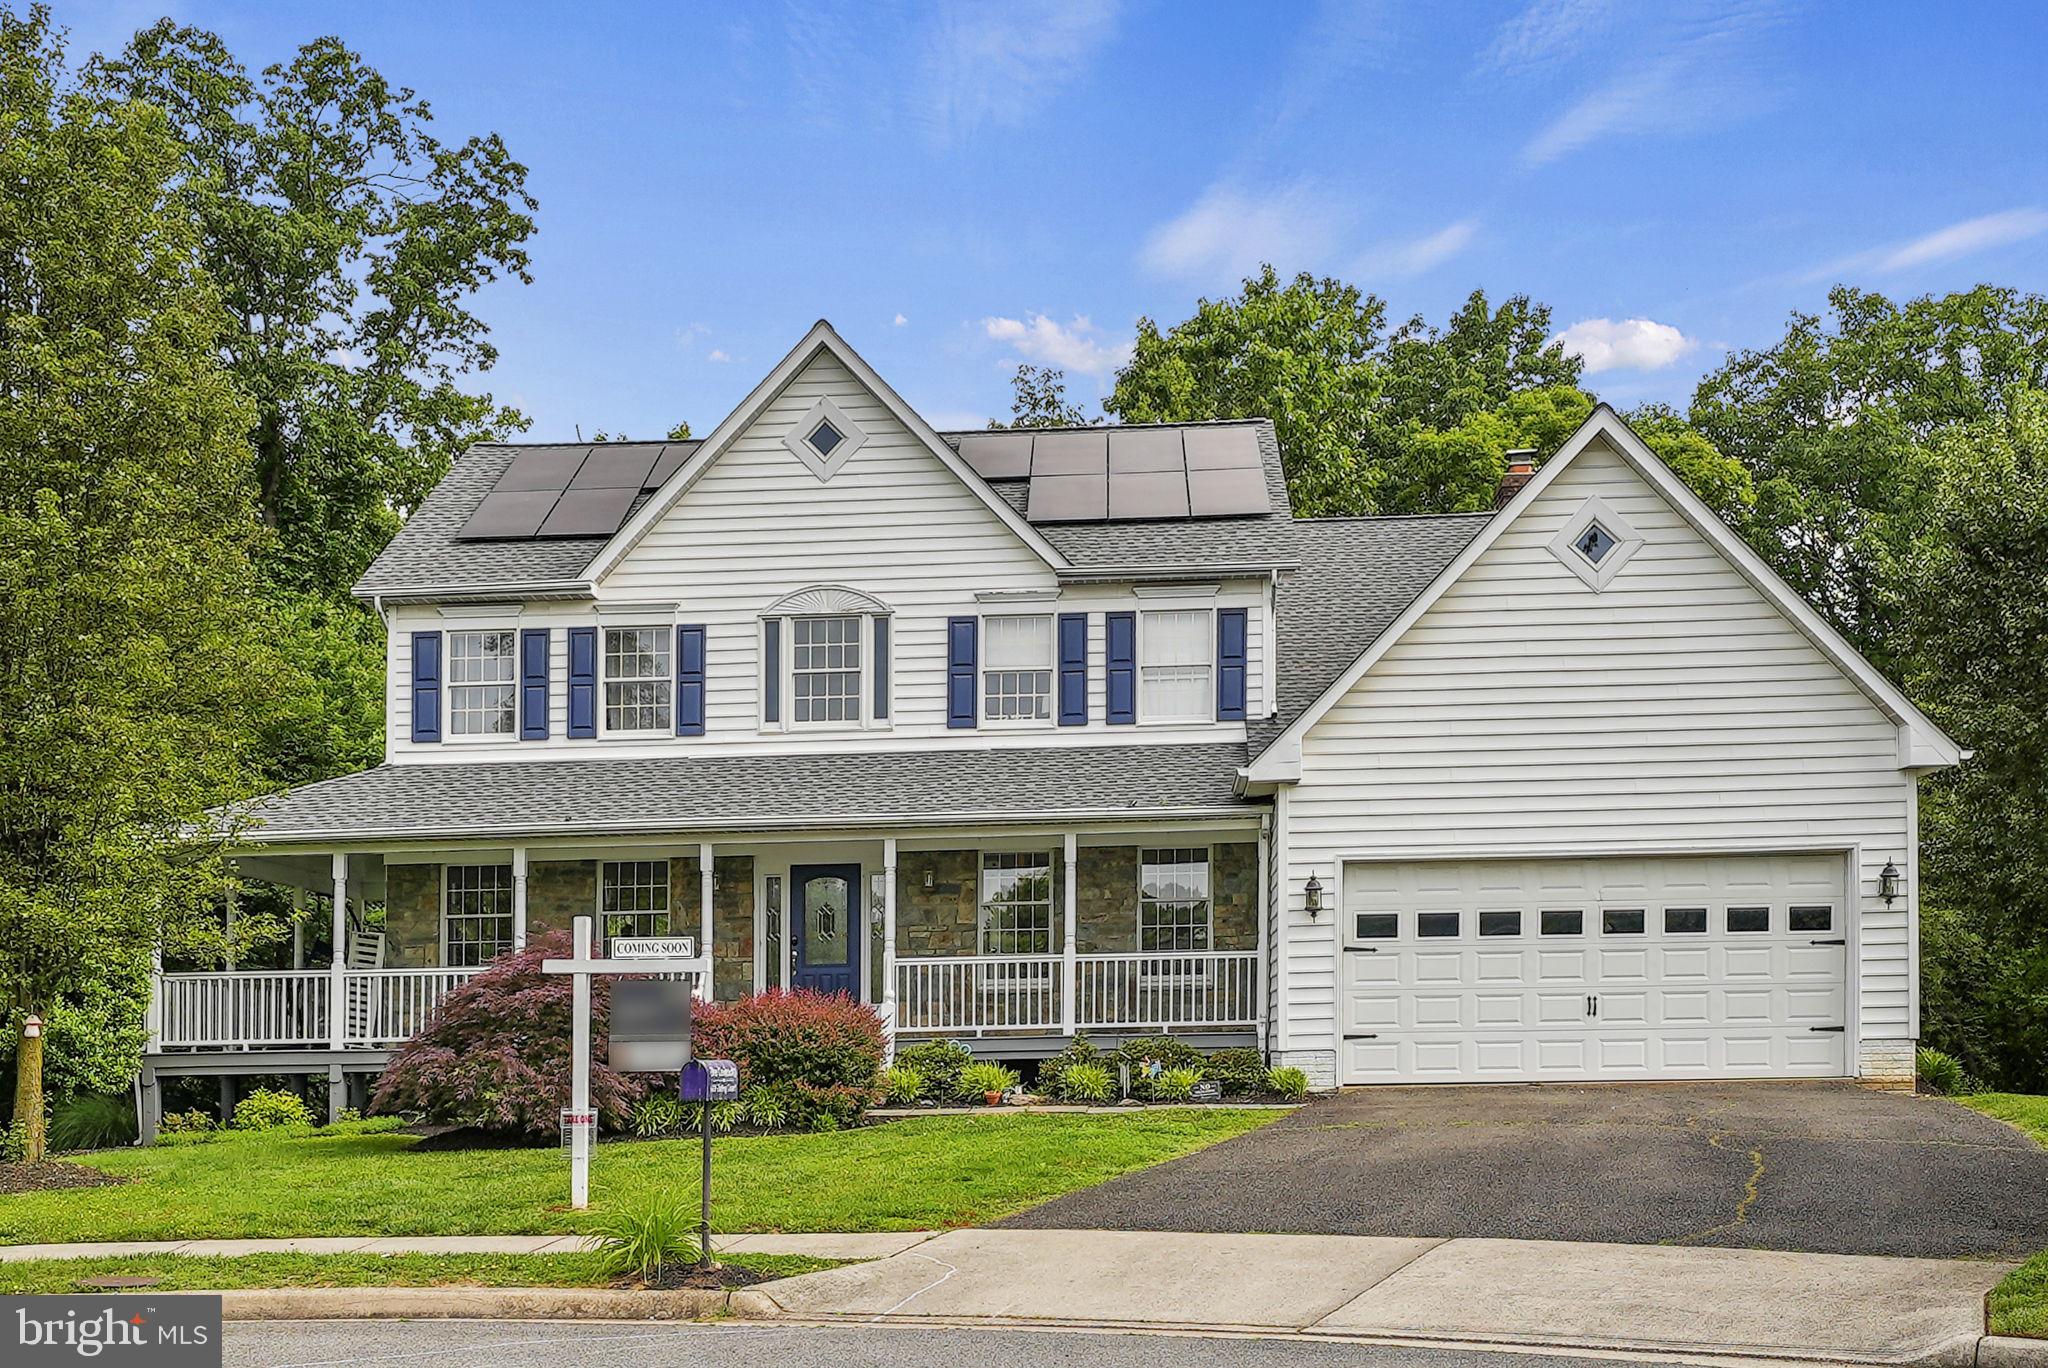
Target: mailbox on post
[711, 1080]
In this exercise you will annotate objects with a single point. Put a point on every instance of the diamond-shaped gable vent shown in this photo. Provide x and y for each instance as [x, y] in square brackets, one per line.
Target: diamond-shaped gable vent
[1595, 543]
[824, 439]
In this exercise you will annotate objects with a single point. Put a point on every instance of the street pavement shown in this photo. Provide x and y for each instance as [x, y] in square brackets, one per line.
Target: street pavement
[471, 1344]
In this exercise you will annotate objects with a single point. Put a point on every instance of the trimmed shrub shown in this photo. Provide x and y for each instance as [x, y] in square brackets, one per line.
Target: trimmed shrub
[1151, 1056]
[1241, 1071]
[496, 1053]
[1939, 1073]
[194, 1122]
[1084, 1082]
[793, 1037]
[272, 1109]
[902, 1085]
[1052, 1071]
[977, 1081]
[1176, 1085]
[94, 1121]
[1288, 1083]
[938, 1063]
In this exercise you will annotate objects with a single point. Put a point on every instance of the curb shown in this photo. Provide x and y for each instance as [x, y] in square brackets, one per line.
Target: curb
[489, 1303]
[2011, 1351]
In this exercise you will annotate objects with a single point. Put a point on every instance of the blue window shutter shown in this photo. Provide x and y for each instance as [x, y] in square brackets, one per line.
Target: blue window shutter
[1073, 669]
[1122, 649]
[771, 670]
[881, 668]
[583, 681]
[961, 651]
[1231, 636]
[426, 686]
[533, 684]
[689, 681]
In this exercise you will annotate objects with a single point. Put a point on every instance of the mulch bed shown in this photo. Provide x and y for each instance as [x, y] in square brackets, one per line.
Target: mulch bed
[50, 1174]
[675, 1279]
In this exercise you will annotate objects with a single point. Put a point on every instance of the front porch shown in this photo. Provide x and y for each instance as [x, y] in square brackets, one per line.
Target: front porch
[1013, 940]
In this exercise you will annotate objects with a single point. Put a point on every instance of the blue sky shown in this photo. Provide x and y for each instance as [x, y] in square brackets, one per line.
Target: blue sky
[960, 187]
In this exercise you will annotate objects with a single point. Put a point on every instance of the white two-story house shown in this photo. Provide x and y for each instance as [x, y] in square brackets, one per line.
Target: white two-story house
[1022, 734]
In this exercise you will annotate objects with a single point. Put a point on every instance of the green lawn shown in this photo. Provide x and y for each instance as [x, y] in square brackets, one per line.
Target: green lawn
[2019, 1305]
[176, 1273]
[352, 1179]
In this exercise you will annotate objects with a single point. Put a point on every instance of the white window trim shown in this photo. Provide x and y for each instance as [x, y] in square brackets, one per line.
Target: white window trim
[981, 904]
[605, 730]
[786, 674]
[1138, 911]
[981, 673]
[668, 877]
[1138, 683]
[1627, 541]
[448, 686]
[511, 915]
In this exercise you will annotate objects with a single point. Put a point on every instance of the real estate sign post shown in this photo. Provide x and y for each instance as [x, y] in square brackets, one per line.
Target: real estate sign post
[580, 1121]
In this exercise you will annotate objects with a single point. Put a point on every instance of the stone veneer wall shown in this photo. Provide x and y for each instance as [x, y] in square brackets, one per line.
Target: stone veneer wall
[943, 920]
[732, 918]
[412, 915]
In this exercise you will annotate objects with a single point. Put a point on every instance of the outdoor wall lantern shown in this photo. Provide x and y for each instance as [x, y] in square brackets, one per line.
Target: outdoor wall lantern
[1888, 882]
[1312, 897]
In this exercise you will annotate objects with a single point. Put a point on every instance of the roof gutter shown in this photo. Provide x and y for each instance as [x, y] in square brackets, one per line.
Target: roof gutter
[1201, 571]
[476, 593]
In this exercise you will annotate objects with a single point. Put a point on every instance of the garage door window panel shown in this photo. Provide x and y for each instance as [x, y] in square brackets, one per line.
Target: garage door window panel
[1813, 919]
[1377, 925]
[1563, 923]
[1622, 921]
[1508, 923]
[1749, 921]
[1436, 925]
[1685, 921]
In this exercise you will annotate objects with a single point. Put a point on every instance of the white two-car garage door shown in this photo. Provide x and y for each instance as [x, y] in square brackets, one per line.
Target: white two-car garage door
[1680, 967]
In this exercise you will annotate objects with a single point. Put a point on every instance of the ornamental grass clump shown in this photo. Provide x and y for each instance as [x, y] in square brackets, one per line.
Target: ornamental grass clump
[646, 1238]
[1085, 1083]
[979, 1082]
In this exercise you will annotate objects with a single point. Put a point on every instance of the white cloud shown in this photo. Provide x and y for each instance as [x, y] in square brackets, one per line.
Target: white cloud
[1075, 347]
[718, 354]
[1548, 32]
[900, 321]
[1423, 253]
[1962, 239]
[1228, 233]
[984, 63]
[1632, 344]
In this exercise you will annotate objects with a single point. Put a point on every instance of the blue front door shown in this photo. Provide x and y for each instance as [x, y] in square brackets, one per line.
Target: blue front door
[825, 919]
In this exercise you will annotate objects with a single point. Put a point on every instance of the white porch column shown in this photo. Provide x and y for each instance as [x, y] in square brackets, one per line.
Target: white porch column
[889, 947]
[1265, 905]
[298, 928]
[155, 1017]
[337, 984]
[706, 882]
[228, 899]
[518, 898]
[1070, 964]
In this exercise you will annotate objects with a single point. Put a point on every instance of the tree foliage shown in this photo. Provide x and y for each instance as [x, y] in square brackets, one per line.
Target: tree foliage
[133, 667]
[347, 243]
[1039, 400]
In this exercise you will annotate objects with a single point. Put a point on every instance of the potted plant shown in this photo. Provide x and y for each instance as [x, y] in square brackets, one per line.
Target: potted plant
[986, 1081]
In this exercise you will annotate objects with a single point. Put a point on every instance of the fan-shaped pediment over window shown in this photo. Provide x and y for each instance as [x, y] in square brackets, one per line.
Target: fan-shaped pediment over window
[826, 599]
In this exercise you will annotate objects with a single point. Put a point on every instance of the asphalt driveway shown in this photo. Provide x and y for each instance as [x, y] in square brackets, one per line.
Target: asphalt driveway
[1818, 1167]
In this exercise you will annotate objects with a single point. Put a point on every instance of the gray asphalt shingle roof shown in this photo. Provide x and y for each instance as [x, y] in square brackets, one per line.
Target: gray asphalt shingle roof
[725, 792]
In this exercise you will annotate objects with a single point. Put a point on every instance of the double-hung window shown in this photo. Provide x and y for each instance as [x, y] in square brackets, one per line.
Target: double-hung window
[482, 691]
[1173, 901]
[632, 898]
[824, 669]
[638, 679]
[1016, 903]
[1016, 668]
[476, 914]
[1176, 666]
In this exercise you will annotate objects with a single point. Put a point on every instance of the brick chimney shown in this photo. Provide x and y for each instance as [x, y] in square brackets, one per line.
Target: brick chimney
[1521, 470]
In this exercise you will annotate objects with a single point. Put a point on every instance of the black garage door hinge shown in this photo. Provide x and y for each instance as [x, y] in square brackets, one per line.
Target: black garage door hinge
[1369, 1035]
[1839, 940]
[1836, 1029]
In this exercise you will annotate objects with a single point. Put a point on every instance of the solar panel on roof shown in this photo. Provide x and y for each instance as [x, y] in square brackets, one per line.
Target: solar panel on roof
[1148, 494]
[1223, 448]
[997, 455]
[1069, 498]
[515, 514]
[541, 468]
[1080, 452]
[1223, 493]
[588, 513]
[1145, 449]
[616, 466]
[671, 459]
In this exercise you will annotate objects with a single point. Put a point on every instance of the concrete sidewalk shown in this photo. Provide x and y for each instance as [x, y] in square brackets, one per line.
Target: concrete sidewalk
[1734, 1303]
[824, 1246]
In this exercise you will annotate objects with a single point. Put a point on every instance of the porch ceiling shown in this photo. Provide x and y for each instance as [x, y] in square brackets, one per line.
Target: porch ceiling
[760, 792]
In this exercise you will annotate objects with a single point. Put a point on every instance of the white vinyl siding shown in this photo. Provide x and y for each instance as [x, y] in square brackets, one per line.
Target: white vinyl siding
[1017, 668]
[1675, 711]
[482, 692]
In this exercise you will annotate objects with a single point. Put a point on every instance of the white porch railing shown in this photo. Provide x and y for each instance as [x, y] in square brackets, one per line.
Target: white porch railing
[291, 1008]
[983, 993]
[971, 995]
